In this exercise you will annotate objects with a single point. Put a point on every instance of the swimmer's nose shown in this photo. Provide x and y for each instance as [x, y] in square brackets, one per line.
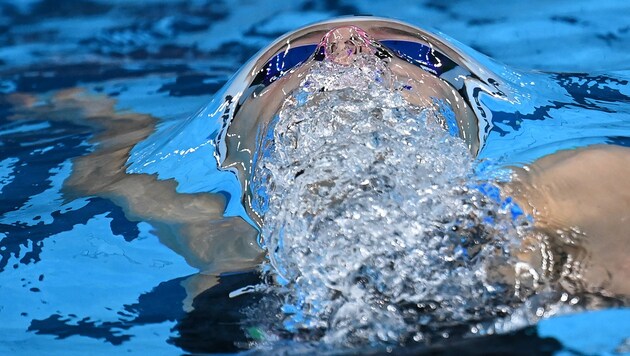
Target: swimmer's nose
[342, 44]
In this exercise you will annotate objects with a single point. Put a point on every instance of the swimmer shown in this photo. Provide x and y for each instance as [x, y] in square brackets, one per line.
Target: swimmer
[553, 190]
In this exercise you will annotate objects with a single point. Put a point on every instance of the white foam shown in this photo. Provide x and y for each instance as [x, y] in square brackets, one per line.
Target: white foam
[374, 229]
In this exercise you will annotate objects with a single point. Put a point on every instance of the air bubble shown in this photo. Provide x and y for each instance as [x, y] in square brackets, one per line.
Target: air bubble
[379, 242]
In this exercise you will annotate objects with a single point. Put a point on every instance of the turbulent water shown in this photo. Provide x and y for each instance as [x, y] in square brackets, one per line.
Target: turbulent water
[377, 228]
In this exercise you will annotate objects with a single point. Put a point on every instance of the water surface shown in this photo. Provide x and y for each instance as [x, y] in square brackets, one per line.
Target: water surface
[109, 261]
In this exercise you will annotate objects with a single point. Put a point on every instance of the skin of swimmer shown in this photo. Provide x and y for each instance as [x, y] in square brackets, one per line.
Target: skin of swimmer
[585, 193]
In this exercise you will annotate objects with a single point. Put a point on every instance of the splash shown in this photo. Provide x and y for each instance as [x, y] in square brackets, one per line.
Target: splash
[376, 227]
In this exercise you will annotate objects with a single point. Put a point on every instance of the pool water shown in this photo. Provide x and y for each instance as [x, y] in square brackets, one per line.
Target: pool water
[96, 260]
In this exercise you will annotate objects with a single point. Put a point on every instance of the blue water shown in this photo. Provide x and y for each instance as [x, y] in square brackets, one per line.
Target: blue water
[81, 273]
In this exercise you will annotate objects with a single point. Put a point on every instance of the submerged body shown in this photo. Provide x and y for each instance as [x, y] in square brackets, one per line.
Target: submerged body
[584, 191]
[136, 164]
